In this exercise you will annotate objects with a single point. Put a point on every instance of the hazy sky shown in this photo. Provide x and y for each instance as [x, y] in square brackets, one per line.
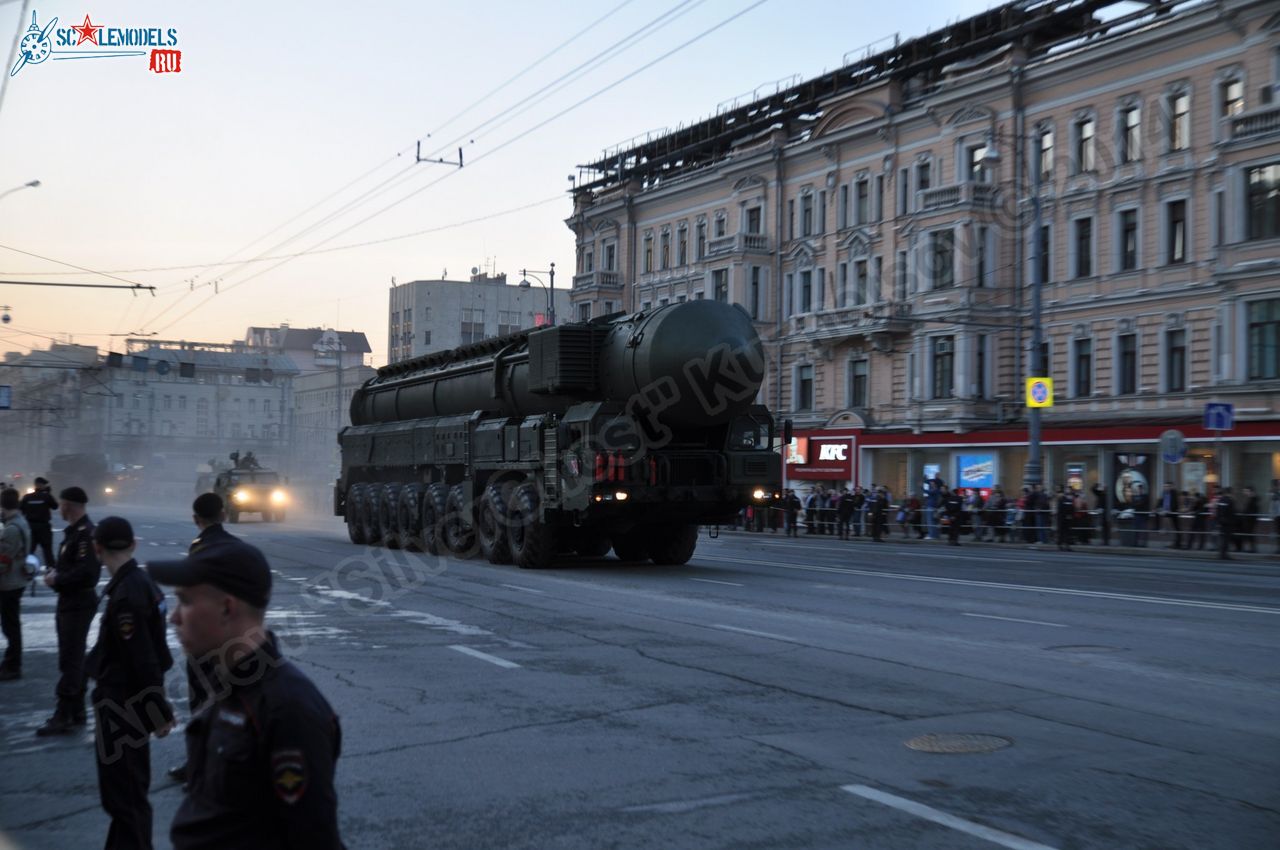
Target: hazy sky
[280, 105]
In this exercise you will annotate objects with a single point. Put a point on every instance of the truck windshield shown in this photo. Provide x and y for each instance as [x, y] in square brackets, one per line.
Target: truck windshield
[256, 478]
[749, 433]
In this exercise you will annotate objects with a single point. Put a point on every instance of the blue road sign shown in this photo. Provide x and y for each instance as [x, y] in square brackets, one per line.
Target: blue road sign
[1219, 416]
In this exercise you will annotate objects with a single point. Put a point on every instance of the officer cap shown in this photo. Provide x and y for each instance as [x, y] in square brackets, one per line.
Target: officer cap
[40, 482]
[74, 494]
[207, 506]
[229, 565]
[113, 533]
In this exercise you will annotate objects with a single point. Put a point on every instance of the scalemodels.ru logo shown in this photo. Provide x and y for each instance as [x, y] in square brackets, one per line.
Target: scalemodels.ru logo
[95, 41]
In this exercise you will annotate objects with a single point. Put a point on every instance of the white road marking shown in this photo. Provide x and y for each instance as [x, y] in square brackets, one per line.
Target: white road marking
[483, 656]
[1014, 620]
[678, 806]
[1064, 591]
[713, 581]
[756, 633]
[995, 836]
[432, 621]
[525, 589]
[845, 550]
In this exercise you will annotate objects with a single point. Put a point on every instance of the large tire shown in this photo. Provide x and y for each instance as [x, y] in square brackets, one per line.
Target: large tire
[591, 543]
[674, 548]
[409, 517]
[491, 524]
[354, 506]
[233, 515]
[458, 538]
[433, 507]
[369, 513]
[633, 546]
[388, 499]
[532, 541]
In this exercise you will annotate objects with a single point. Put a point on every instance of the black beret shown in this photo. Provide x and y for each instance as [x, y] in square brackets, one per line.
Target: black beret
[74, 494]
[113, 533]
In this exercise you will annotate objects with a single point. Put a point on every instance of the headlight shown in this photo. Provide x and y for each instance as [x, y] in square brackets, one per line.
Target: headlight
[758, 494]
[240, 496]
[108, 490]
[621, 495]
[31, 489]
[278, 497]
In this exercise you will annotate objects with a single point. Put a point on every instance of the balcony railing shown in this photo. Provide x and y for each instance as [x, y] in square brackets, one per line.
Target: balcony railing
[738, 243]
[940, 197]
[1254, 125]
[603, 279]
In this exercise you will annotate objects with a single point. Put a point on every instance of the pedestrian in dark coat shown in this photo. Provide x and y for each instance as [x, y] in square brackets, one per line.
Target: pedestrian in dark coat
[952, 508]
[1066, 505]
[1224, 511]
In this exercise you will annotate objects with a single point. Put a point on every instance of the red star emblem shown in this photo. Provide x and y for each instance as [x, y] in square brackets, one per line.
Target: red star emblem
[88, 31]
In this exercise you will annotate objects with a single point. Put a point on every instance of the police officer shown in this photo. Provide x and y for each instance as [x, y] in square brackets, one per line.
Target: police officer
[38, 507]
[208, 513]
[262, 753]
[74, 578]
[128, 662]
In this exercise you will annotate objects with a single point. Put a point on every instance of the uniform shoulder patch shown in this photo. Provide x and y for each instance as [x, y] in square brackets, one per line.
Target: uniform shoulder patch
[125, 625]
[289, 775]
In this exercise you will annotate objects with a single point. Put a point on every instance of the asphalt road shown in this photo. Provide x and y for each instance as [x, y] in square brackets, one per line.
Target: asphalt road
[772, 694]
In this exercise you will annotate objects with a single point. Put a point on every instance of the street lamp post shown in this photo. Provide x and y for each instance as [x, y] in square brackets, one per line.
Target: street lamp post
[30, 184]
[525, 274]
[1033, 470]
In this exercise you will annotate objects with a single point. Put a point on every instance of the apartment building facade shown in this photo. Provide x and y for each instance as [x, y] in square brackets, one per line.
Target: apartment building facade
[434, 315]
[880, 226]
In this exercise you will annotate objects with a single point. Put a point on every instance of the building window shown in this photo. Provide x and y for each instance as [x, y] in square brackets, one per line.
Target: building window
[791, 219]
[822, 212]
[862, 202]
[755, 220]
[1264, 340]
[720, 285]
[1046, 254]
[900, 277]
[702, 240]
[842, 294]
[1232, 97]
[1084, 247]
[721, 224]
[682, 247]
[942, 250]
[1127, 364]
[1179, 121]
[1083, 368]
[806, 215]
[904, 192]
[804, 388]
[983, 261]
[842, 208]
[858, 383]
[821, 277]
[944, 363]
[1046, 153]
[648, 253]
[1084, 151]
[182, 402]
[981, 383]
[664, 251]
[610, 257]
[588, 260]
[426, 337]
[859, 282]
[978, 172]
[789, 286]
[168, 402]
[1131, 134]
[1128, 240]
[806, 291]
[1176, 361]
[1176, 232]
[924, 176]
[877, 211]
[584, 311]
[757, 292]
[1262, 209]
[472, 325]
[508, 322]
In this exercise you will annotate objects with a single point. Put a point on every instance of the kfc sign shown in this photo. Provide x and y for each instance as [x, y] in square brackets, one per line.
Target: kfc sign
[833, 451]
[820, 458]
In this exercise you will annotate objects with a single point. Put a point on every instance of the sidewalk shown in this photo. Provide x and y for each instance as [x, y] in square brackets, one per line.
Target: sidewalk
[1265, 554]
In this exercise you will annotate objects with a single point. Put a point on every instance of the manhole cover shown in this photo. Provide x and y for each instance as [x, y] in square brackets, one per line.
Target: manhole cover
[948, 742]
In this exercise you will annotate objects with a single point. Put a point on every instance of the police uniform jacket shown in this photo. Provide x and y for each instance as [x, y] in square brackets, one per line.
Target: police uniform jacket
[38, 506]
[207, 535]
[261, 760]
[78, 566]
[131, 655]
